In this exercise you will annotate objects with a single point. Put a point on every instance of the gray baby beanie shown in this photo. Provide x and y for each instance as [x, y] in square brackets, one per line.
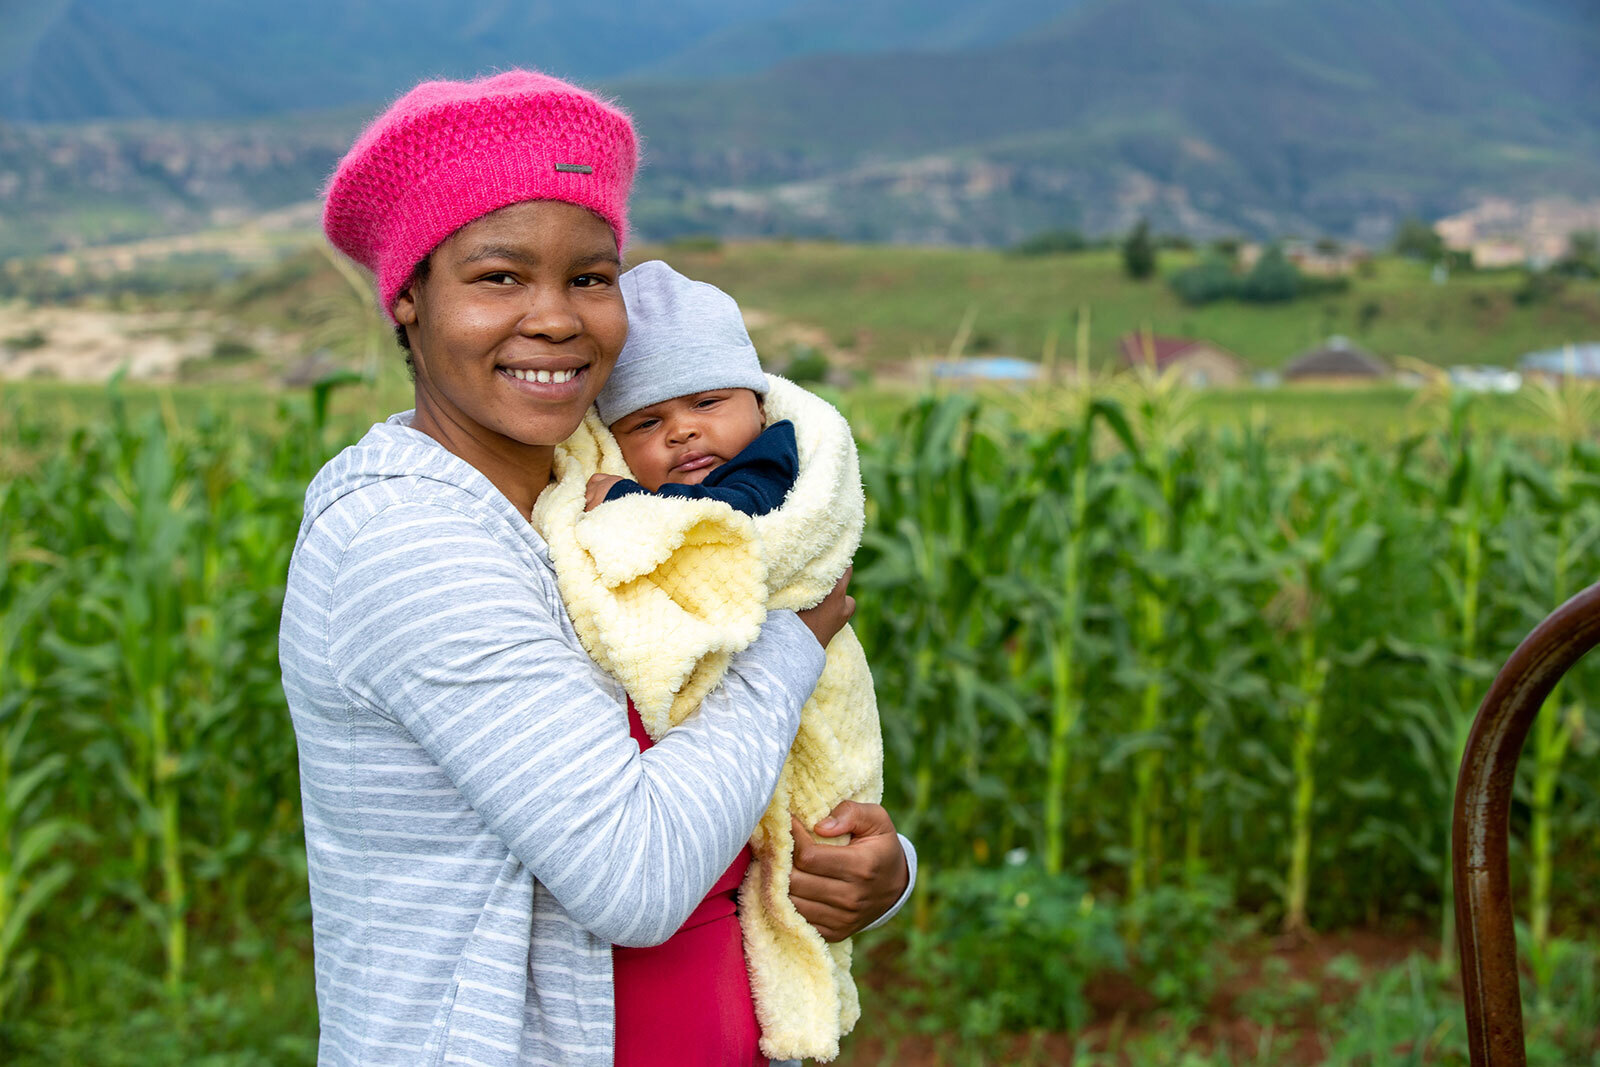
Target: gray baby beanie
[684, 337]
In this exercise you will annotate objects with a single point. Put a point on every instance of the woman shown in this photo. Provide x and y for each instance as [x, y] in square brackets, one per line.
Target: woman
[481, 828]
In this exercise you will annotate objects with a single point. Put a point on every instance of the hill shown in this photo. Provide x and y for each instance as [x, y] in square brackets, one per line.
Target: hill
[881, 309]
[1209, 116]
[95, 59]
[821, 27]
[879, 121]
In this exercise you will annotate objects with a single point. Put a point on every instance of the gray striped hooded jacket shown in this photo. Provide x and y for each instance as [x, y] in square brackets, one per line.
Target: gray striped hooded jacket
[480, 827]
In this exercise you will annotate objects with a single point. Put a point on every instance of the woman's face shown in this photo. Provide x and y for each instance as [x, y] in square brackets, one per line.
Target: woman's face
[515, 328]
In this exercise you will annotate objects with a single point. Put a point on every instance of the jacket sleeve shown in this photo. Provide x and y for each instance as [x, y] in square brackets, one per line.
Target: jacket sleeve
[911, 883]
[436, 626]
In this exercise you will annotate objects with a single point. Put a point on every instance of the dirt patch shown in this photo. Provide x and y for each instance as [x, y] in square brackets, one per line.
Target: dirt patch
[90, 345]
[776, 336]
[1273, 992]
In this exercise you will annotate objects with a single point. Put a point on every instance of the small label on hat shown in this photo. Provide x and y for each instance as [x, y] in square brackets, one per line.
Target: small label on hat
[574, 168]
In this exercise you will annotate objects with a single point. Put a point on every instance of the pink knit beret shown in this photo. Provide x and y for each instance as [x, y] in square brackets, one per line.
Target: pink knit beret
[447, 153]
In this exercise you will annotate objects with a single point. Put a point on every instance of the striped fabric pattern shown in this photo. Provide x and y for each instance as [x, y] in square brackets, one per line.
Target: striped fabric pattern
[480, 827]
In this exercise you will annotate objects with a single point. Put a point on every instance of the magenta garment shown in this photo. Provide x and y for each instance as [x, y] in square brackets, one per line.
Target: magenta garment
[449, 152]
[686, 1002]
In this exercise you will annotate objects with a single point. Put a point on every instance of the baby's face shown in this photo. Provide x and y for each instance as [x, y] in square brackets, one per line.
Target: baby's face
[686, 438]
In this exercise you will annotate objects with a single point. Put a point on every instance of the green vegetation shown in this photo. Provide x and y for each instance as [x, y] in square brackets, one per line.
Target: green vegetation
[1052, 243]
[1415, 239]
[1583, 256]
[1152, 675]
[1139, 252]
[884, 305]
[27, 342]
[878, 311]
[1273, 280]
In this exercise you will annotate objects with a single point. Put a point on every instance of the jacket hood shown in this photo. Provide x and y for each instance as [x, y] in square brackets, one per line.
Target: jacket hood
[392, 449]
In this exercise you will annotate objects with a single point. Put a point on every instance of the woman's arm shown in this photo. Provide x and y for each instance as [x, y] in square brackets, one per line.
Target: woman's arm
[438, 628]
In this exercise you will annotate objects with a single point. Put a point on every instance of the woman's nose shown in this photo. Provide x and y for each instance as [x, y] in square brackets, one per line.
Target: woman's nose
[551, 316]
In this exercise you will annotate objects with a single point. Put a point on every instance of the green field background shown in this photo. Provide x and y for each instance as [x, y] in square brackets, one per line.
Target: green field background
[1164, 676]
[1173, 682]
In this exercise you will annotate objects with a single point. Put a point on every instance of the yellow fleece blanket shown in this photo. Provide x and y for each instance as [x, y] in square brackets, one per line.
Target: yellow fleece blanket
[663, 592]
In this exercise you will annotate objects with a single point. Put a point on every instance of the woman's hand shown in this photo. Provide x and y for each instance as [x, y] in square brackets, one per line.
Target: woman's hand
[829, 617]
[842, 889]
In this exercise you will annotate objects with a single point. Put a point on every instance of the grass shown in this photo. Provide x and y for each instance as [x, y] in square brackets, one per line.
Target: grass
[872, 306]
[172, 519]
[881, 303]
[249, 1002]
[1295, 413]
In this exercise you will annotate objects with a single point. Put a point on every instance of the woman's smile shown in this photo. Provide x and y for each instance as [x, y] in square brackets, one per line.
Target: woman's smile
[547, 381]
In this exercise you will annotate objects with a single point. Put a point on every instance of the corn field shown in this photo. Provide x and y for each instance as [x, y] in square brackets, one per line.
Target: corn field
[1135, 650]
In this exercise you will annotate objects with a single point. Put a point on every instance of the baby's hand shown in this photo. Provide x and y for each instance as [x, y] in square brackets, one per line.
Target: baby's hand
[594, 494]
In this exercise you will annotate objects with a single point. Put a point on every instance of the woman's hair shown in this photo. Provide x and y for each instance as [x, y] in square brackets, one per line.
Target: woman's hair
[419, 273]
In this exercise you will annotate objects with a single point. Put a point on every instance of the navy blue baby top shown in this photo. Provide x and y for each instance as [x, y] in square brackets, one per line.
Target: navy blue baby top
[754, 482]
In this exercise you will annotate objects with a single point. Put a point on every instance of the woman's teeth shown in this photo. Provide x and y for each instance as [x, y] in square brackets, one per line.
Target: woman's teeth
[556, 376]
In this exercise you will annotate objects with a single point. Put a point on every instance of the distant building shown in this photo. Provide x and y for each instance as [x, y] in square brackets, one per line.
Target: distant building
[1485, 379]
[1568, 361]
[1498, 253]
[1505, 233]
[1320, 258]
[1200, 363]
[1337, 360]
[987, 369]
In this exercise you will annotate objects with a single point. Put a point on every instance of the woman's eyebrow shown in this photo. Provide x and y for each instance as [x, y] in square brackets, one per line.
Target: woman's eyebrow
[599, 255]
[519, 255]
[516, 255]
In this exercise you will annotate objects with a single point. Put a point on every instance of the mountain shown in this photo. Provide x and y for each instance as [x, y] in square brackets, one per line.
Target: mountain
[89, 59]
[817, 27]
[1210, 116]
[894, 120]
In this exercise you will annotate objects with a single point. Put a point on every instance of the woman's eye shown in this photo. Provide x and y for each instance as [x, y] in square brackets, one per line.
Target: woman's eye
[587, 281]
[500, 277]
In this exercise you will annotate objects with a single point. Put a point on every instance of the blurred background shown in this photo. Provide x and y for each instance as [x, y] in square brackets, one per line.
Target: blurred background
[1225, 378]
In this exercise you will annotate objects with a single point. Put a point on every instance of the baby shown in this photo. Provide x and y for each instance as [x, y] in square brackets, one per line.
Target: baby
[684, 402]
[665, 577]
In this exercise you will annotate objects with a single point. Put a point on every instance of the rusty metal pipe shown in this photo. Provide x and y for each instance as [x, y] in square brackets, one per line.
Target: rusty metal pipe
[1484, 931]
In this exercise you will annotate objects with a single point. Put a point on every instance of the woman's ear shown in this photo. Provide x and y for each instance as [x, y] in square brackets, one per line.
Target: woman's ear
[405, 307]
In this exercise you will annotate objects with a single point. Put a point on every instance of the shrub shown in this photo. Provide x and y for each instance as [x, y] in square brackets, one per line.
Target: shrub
[1180, 929]
[1416, 239]
[27, 342]
[233, 350]
[1209, 280]
[1538, 287]
[1272, 280]
[696, 242]
[806, 365]
[1139, 252]
[1583, 256]
[1052, 243]
[1011, 949]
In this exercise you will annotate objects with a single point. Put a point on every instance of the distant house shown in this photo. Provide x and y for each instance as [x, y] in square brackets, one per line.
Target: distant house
[1337, 360]
[1321, 258]
[1200, 363]
[1485, 379]
[1575, 361]
[987, 369]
